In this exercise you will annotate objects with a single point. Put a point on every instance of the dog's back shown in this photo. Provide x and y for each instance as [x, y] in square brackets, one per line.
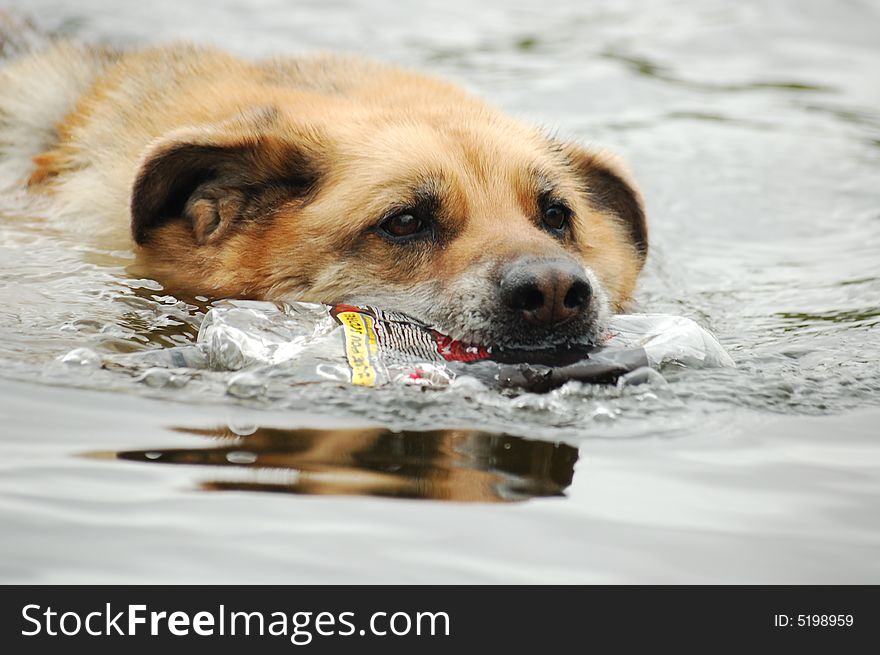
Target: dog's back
[41, 81]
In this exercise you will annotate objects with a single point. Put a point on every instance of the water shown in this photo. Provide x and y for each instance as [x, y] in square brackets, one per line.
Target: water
[755, 134]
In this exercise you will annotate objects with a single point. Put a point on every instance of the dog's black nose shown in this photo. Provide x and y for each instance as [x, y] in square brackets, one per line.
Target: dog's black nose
[545, 291]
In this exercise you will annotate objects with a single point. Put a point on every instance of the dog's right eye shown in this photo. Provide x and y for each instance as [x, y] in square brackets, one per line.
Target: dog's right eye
[404, 226]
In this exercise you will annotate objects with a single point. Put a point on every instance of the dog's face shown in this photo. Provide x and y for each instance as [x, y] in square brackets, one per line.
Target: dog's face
[473, 223]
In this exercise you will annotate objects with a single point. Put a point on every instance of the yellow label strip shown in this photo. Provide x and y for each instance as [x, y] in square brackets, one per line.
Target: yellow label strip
[360, 347]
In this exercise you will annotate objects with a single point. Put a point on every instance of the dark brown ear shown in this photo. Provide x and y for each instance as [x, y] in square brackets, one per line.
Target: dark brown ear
[609, 188]
[217, 177]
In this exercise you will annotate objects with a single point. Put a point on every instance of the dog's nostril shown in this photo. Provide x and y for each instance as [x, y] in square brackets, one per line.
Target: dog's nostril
[578, 295]
[528, 299]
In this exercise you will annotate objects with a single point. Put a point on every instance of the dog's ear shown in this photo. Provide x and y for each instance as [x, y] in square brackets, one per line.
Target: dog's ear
[218, 176]
[609, 188]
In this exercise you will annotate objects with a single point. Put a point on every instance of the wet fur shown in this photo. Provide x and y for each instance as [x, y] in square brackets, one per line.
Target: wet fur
[267, 179]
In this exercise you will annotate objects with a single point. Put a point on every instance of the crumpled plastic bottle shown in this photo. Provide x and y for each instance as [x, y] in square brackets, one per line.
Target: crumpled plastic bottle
[370, 347]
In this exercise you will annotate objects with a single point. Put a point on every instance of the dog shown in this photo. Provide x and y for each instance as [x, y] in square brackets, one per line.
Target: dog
[328, 179]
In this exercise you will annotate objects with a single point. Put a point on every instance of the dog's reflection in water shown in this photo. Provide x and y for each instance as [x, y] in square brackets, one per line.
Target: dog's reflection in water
[458, 465]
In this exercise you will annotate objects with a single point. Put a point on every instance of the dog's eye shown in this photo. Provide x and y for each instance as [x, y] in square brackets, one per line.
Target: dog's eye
[556, 217]
[401, 226]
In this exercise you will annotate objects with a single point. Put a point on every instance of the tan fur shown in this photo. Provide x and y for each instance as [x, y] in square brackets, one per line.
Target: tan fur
[454, 465]
[363, 133]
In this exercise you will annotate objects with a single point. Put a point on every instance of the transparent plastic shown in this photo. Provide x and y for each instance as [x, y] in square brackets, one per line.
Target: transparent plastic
[370, 347]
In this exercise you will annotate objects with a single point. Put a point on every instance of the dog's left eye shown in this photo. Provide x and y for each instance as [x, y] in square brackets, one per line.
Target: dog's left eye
[556, 217]
[402, 226]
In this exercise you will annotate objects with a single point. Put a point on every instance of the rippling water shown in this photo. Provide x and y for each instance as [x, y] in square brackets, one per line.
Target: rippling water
[755, 133]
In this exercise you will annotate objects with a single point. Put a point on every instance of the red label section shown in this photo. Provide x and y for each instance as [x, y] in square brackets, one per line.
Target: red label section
[455, 351]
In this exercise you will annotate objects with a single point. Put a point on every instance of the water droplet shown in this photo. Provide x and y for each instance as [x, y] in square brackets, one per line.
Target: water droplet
[245, 385]
[156, 377]
[240, 457]
[530, 402]
[82, 357]
[242, 424]
[602, 414]
[143, 283]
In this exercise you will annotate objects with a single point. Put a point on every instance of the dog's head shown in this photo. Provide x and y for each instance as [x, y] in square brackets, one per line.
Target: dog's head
[458, 216]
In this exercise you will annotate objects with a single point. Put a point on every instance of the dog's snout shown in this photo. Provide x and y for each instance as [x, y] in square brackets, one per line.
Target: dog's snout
[545, 292]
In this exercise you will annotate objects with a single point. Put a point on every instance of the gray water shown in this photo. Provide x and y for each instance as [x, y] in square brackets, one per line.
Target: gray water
[754, 130]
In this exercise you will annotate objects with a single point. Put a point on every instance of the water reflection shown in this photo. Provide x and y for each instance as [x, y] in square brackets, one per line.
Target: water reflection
[459, 465]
